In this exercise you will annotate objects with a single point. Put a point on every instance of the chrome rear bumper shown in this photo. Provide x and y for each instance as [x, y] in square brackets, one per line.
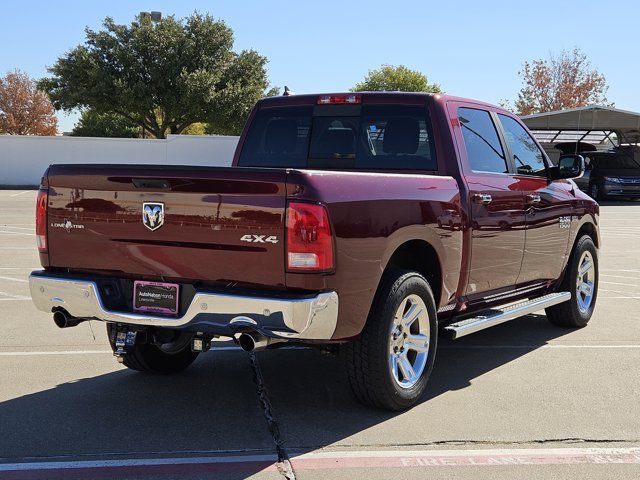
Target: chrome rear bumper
[304, 318]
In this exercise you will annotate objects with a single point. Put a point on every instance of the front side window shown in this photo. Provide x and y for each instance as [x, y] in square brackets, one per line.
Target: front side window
[484, 151]
[527, 156]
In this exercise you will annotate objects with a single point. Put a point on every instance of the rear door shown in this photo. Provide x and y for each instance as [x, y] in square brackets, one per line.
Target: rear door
[548, 205]
[216, 225]
[497, 204]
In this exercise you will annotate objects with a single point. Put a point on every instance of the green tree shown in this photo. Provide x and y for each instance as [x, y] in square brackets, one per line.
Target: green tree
[162, 75]
[94, 124]
[393, 79]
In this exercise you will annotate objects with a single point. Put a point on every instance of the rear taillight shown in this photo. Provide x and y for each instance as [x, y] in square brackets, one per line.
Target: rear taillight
[41, 220]
[309, 240]
[350, 98]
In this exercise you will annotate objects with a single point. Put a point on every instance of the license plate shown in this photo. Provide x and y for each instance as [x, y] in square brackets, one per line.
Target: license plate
[157, 297]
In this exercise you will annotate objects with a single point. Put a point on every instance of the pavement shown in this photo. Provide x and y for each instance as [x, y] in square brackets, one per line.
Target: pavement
[521, 400]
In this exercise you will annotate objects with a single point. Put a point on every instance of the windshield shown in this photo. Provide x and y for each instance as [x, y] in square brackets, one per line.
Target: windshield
[378, 137]
[615, 161]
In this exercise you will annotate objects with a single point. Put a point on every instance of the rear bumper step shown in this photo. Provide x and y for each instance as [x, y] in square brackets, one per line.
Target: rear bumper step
[303, 318]
[496, 316]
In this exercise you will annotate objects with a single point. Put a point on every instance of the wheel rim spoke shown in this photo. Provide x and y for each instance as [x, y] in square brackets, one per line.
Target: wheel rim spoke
[412, 315]
[393, 359]
[406, 368]
[417, 343]
[585, 267]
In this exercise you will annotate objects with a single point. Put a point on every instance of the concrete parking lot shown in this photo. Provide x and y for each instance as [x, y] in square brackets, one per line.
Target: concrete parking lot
[521, 400]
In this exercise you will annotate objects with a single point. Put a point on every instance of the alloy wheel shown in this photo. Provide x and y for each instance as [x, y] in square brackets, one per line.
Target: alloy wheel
[585, 283]
[409, 341]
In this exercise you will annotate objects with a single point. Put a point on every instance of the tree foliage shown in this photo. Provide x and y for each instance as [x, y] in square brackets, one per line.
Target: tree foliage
[560, 82]
[392, 79]
[162, 75]
[94, 124]
[25, 110]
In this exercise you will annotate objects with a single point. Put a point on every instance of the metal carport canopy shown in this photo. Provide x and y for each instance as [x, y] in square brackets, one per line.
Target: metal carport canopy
[591, 118]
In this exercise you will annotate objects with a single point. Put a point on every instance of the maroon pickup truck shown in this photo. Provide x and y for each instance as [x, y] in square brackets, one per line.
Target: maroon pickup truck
[359, 222]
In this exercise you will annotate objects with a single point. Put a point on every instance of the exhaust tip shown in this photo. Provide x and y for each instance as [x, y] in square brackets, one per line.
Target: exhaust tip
[246, 342]
[252, 341]
[60, 319]
[63, 320]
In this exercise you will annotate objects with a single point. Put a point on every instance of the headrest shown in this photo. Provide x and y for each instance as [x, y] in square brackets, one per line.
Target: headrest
[337, 140]
[281, 136]
[401, 135]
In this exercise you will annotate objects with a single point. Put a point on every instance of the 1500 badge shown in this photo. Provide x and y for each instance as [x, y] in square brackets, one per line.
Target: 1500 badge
[565, 222]
[259, 239]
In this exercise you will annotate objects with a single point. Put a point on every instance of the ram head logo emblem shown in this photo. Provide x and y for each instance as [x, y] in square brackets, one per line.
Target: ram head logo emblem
[153, 215]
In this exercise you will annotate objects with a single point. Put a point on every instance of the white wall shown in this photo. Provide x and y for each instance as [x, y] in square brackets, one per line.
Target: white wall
[23, 159]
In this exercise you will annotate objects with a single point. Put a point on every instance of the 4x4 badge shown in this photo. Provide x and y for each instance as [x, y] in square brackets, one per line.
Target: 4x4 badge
[259, 239]
[153, 215]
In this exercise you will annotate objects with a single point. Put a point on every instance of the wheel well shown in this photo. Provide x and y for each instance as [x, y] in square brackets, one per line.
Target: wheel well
[588, 229]
[421, 257]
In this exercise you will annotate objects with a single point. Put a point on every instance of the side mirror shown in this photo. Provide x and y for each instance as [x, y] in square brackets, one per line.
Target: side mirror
[569, 166]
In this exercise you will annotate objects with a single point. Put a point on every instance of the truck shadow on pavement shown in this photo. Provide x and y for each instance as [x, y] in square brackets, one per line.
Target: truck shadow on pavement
[214, 406]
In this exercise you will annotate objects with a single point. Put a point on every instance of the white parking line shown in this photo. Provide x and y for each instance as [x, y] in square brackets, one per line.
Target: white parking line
[5, 225]
[14, 297]
[9, 232]
[22, 193]
[236, 348]
[327, 460]
[21, 280]
[628, 277]
[547, 346]
[20, 268]
[610, 283]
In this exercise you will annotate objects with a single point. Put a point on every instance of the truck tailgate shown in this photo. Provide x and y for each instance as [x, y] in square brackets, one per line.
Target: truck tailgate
[214, 224]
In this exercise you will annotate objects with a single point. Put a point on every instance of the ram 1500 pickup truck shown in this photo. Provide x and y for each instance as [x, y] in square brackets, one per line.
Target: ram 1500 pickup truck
[363, 222]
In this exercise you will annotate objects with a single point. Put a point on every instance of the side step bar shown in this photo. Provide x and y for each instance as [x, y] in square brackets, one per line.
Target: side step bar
[499, 315]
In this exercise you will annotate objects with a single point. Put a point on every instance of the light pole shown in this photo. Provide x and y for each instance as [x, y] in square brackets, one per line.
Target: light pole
[154, 16]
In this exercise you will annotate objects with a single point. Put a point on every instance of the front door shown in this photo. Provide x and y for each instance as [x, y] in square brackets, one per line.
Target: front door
[497, 204]
[548, 206]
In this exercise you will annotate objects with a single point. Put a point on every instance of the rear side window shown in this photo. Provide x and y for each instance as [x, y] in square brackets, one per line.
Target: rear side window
[484, 151]
[389, 137]
[527, 156]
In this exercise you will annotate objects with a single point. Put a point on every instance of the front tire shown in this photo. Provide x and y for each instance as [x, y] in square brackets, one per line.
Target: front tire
[581, 279]
[149, 358]
[595, 191]
[389, 365]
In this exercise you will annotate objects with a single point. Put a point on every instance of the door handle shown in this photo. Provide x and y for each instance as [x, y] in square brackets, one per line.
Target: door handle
[482, 198]
[533, 198]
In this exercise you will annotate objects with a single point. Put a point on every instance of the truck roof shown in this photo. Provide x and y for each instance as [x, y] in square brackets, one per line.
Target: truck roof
[405, 98]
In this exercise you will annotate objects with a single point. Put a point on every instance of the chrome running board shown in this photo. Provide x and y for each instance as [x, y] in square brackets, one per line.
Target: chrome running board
[496, 316]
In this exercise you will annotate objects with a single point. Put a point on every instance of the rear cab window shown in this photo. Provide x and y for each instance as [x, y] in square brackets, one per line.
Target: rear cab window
[337, 137]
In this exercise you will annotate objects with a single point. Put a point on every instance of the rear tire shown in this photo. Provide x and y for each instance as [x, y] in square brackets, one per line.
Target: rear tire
[582, 282]
[389, 365]
[148, 358]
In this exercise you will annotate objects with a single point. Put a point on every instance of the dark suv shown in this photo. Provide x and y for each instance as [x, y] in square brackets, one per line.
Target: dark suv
[615, 173]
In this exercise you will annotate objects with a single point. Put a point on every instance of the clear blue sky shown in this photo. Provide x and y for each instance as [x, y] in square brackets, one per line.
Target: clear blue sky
[472, 48]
